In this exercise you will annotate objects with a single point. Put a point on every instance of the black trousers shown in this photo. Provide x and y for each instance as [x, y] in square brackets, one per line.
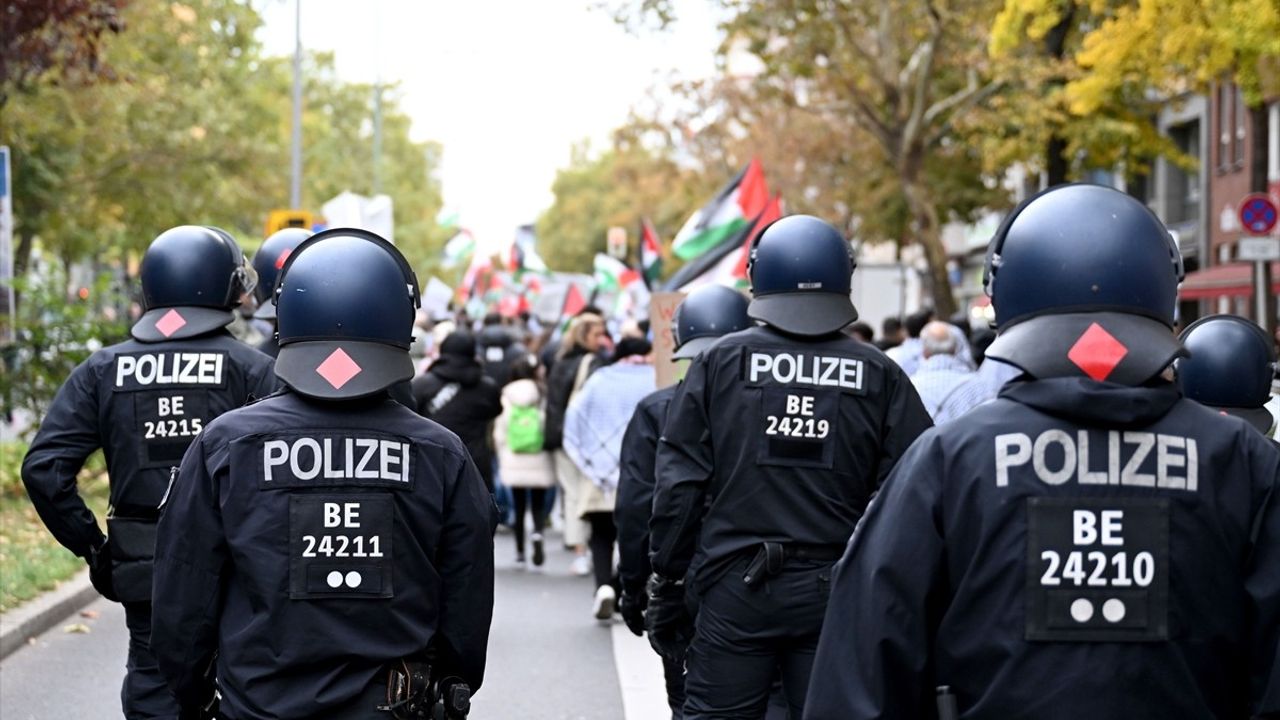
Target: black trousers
[673, 673]
[604, 535]
[144, 695]
[745, 636]
[535, 500]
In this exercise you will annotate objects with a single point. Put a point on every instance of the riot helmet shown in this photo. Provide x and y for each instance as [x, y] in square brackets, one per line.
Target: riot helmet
[801, 271]
[268, 261]
[345, 305]
[1230, 367]
[192, 277]
[706, 315]
[1084, 282]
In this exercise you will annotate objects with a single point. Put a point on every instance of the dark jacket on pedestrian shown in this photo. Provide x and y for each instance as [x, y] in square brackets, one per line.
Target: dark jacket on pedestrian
[456, 393]
[560, 384]
[498, 349]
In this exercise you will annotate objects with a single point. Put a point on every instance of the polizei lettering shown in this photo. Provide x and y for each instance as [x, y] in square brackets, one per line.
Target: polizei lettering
[1141, 459]
[170, 369]
[330, 459]
[797, 369]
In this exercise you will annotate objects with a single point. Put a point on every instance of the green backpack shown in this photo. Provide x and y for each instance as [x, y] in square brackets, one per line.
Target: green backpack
[524, 429]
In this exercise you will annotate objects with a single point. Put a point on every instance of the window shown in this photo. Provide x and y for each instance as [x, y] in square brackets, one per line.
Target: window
[1242, 118]
[1182, 188]
[1225, 125]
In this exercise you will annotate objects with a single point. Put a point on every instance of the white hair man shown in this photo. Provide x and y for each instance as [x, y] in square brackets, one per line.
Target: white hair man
[942, 370]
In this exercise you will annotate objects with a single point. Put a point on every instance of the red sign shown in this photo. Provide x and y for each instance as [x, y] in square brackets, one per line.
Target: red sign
[1258, 214]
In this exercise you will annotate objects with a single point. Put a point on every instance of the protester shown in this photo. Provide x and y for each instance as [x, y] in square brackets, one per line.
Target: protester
[576, 359]
[907, 355]
[891, 333]
[498, 348]
[527, 468]
[861, 331]
[594, 425]
[941, 370]
[455, 393]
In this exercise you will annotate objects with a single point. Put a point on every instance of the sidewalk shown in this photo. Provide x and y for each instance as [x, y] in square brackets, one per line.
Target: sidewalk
[44, 611]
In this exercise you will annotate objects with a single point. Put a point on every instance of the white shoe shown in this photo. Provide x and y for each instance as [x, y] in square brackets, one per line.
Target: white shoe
[606, 599]
[581, 566]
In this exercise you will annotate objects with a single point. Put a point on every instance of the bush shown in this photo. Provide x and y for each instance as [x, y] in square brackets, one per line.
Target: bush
[54, 334]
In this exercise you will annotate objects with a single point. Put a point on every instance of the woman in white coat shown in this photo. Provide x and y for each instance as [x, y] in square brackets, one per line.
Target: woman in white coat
[526, 467]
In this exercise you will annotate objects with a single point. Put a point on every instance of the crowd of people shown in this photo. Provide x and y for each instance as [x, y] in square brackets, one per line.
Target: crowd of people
[542, 412]
[804, 529]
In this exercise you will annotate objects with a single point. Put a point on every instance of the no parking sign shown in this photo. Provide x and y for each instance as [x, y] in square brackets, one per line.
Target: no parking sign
[1258, 214]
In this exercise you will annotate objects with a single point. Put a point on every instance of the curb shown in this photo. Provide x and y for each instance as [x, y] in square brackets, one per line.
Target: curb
[44, 611]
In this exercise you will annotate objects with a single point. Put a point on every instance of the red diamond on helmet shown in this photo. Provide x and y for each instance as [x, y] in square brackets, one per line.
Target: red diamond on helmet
[284, 255]
[171, 323]
[338, 368]
[1097, 352]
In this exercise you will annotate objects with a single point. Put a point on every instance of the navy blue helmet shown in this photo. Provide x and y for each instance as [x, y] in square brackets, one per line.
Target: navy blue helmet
[192, 277]
[345, 305]
[268, 261]
[1230, 368]
[706, 315]
[1084, 281]
[801, 272]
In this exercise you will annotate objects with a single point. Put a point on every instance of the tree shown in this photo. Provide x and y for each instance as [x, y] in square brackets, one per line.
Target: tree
[43, 37]
[910, 73]
[192, 127]
[629, 181]
[1172, 46]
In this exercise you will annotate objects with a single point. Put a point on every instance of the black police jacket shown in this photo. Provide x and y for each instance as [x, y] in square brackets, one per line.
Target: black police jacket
[312, 544]
[142, 403]
[634, 504]
[1071, 550]
[776, 439]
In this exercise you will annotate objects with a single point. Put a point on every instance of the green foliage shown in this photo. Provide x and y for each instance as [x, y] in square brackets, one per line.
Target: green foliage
[31, 561]
[55, 333]
[618, 187]
[193, 127]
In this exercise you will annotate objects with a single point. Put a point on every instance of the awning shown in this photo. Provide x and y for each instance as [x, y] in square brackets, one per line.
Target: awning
[1230, 280]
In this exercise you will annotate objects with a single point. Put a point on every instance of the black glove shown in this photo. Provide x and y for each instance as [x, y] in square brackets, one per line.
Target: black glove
[633, 605]
[100, 571]
[667, 618]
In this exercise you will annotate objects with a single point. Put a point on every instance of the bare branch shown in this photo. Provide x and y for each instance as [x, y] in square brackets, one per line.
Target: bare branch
[962, 107]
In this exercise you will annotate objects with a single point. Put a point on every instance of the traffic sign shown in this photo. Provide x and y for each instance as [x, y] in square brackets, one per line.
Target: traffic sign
[1258, 214]
[1258, 249]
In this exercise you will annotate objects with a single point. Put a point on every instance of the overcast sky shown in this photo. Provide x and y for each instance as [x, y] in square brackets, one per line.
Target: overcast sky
[506, 86]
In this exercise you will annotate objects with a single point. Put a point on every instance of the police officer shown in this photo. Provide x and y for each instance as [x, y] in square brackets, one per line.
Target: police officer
[268, 261]
[773, 446]
[1230, 368]
[143, 401]
[703, 317]
[1091, 543]
[330, 546]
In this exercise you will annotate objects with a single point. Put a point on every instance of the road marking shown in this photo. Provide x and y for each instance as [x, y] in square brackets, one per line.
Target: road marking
[644, 692]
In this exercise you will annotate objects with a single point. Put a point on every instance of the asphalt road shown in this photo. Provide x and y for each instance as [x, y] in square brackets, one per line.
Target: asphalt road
[548, 658]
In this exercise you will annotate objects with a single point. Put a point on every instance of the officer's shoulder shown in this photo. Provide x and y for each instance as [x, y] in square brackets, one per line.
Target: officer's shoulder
[658, 399]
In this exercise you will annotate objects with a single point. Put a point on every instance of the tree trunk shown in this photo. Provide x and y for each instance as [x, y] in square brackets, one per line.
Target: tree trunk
[929, 235]
[1055, 45]
[1056, 165]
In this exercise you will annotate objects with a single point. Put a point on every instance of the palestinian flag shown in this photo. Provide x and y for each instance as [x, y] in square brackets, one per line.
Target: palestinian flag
[460, 248]
[650, 254]
[726, 215]
[613, 274]
[772, 211]
[726, 264]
